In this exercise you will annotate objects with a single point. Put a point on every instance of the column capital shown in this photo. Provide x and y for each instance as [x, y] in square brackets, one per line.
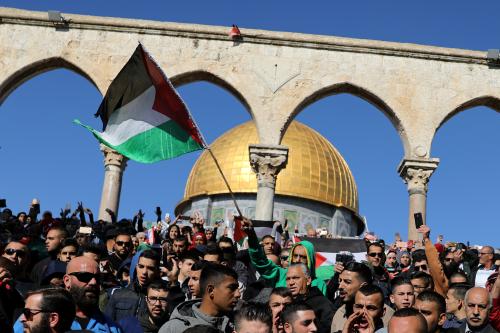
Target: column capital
[267, 161]
[112, 157]
[416, 173]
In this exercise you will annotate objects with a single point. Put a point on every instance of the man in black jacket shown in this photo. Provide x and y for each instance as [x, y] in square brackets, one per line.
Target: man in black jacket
[298, 281]
[157, 310]
[131, 301]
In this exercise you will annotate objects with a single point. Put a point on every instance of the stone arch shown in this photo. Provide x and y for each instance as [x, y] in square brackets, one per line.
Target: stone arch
[358, 91]
[203, 75]
[486, 100]
[36, 68]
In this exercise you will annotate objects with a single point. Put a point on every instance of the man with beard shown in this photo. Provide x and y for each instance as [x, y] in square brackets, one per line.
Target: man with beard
[353, 276]
[122, 249]
[82, 281]
[55, 237]
[375, 257]
[298, 281]
[368, 311]
[157, 311]
[131, 301]
[220, 294]
[50, 310]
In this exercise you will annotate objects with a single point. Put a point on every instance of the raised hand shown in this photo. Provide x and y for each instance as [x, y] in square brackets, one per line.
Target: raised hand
[425, 231]
[79, 207]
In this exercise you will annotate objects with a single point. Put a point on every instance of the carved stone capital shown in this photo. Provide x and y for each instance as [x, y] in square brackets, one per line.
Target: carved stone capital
[416, 173]
[112, 157]
[267, 161]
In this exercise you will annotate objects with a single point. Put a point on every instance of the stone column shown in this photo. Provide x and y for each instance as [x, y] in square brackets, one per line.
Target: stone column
[114, 165]
[416, 174]
[266, 161]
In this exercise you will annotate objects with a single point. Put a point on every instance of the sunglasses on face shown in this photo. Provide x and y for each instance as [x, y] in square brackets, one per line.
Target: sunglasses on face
[122, 243]
[421, 268]
[19, 253]
[85, 277]
[29, 313]
[376, 254]
[284, 257]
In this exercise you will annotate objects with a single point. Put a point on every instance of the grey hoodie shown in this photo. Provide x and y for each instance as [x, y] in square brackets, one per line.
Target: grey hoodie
[188, 314]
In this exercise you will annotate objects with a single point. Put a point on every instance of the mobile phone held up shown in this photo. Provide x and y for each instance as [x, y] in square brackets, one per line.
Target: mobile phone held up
[419, 221]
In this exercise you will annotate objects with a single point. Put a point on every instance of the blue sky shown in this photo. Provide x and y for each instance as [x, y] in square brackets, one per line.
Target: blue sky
[44, 155]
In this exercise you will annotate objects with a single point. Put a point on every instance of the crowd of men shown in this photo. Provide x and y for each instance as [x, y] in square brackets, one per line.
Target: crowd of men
[72, 273]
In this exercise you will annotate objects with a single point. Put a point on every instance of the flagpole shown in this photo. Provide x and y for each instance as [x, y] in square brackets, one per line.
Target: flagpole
[225, 180]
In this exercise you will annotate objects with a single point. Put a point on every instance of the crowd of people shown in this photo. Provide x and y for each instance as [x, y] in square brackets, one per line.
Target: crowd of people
[74, 273]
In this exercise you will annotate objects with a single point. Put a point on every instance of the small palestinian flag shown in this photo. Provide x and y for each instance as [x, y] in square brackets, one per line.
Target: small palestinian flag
[143, 117]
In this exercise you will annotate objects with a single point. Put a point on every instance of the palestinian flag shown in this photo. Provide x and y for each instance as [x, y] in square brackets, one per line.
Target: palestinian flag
[143, 117]
[327, 249]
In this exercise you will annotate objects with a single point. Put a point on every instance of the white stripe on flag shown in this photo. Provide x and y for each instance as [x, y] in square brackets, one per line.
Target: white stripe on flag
[133, 118]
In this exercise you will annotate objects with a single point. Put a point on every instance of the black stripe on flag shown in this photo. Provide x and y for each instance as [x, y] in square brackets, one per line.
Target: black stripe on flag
[131, 81]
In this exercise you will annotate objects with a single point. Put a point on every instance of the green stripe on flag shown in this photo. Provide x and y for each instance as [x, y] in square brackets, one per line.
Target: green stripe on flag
[166, 141]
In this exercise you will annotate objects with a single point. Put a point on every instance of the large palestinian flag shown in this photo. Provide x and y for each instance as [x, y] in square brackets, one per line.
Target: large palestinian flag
[143, 117]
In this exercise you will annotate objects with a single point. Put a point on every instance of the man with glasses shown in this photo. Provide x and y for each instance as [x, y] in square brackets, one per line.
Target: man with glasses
[17, 253]
[420, 263]
[82, 281]
[122, 249]
[48, 310]
[131, 301]
[157, 311]
[375, 257]
[486, 267]
[421, 281]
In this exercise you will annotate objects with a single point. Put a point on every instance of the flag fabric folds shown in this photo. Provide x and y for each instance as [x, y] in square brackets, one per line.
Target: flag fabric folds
[143, 117]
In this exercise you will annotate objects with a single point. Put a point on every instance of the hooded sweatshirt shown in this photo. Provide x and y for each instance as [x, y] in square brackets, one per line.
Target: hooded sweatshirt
[188, 314]
[268, 270]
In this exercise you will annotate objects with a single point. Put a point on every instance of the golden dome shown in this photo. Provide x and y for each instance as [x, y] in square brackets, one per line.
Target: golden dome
[315, 169]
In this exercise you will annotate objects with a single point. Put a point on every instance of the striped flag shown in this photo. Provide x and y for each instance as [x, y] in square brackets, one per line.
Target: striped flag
[327, 249]
[143, 117]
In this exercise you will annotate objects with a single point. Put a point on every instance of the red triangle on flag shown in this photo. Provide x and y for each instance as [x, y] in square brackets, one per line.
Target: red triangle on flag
[320, 259]
[239, 234]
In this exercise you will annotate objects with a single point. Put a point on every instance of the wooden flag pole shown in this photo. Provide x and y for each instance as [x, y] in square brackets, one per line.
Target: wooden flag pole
[225, 180]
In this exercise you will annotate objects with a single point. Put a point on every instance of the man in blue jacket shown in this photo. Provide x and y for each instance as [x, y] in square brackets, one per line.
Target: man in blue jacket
[82, 281]
[131, 301]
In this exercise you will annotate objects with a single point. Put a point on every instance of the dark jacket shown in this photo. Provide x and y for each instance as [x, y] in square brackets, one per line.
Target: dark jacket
[323, 308]
[140, 324]
[125, 302]
[487, 329]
